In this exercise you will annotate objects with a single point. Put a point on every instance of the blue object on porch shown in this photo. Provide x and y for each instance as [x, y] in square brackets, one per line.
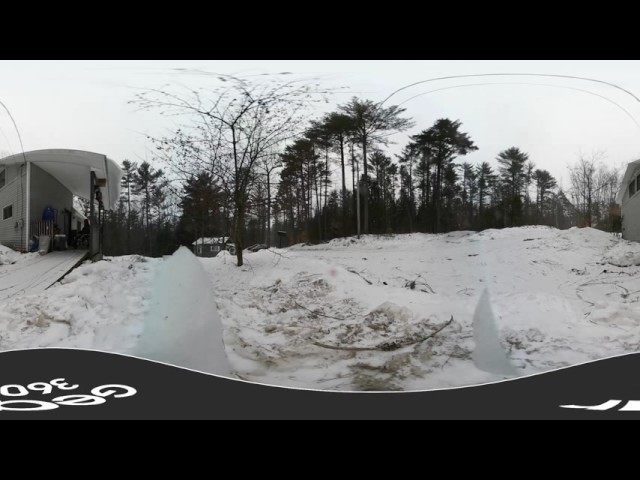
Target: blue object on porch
[33, 244]
[48, 213]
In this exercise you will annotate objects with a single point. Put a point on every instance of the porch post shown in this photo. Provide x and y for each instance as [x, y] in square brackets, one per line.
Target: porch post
[27, 200]
[93, 225]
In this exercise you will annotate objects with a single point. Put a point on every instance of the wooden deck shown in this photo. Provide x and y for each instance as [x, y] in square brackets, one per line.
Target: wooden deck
[37, 273]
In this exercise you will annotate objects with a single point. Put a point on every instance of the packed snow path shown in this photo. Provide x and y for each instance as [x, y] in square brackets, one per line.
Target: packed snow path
[37, 273]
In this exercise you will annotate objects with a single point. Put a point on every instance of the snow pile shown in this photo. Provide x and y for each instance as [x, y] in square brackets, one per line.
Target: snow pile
[182, 326]
[97, 306]
[373, 242]
[624, 254]
[373, 313]
[8, 256]
[397, 312]
[160, 309]
[588, 237]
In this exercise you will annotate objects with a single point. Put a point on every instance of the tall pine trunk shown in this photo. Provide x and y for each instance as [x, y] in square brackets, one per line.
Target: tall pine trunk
[366, 187]
[344, 188]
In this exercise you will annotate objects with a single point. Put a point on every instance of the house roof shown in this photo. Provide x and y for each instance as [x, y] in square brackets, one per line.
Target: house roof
[210, 240]
[72, 168]
[631, 167]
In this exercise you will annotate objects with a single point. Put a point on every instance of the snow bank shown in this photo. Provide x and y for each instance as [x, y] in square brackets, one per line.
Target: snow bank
[303, 315]
[323, 316]
[182, 326]
[8, 256]
[588, 237]
[365, 241]
[149, 307]
[624, 254]
[97, 306]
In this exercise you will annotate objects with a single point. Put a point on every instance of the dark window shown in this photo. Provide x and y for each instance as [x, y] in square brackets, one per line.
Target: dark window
[632, 188]
[3, 178]
[7, 212]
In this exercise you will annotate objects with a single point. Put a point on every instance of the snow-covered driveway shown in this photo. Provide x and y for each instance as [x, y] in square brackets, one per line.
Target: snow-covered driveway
[37, 273]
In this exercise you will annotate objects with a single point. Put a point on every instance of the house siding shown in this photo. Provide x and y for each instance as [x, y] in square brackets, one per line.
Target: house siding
[12, 232]
[46, 190]
[207, 250]
[209, 246]
[631, 213]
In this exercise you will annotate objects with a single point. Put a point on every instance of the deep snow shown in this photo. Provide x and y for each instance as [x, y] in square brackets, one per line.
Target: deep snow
[354, 314]
[555, 300]
[161, 309]
[9, 256]
[98, 306]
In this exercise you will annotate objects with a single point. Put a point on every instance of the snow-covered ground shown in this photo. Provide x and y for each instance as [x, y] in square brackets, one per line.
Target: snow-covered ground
[355, 314]
[9, 256]
[161, 309]
[98, 306]
[379, 313]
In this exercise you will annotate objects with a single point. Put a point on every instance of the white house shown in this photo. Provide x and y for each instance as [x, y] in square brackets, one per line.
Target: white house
[629, 200]
[37, 190]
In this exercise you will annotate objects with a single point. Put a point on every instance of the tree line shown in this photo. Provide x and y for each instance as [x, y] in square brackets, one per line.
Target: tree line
[250, 160]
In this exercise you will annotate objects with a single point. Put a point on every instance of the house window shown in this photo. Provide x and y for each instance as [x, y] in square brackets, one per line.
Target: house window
[7, 212]
[199, 249]
[632, 188]
[3, 178]
[216, 248]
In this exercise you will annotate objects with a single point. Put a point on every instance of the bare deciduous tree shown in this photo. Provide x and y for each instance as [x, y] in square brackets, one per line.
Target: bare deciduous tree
[228, 128]
[584, 183]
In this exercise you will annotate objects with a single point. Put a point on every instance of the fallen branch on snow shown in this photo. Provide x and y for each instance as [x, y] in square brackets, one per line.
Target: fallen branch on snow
[426, 284]
[317, 313]
[464, 291]
[411, 284]
[66, 322]
[446, 361]
[353, 271]
[390, 345]
[280, 256]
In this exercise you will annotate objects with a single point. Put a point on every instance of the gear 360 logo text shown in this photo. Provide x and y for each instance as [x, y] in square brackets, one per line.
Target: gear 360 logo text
[12, 397]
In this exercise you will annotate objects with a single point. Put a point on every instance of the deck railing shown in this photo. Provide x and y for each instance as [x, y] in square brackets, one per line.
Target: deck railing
[43, 227]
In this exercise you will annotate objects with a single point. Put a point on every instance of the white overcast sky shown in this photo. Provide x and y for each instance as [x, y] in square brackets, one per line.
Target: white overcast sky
[83, 104]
